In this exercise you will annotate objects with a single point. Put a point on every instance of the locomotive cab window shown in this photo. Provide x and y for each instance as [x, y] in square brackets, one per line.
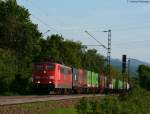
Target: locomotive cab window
[50, 67]
[61, 70]
[39, 67]
[69, 71]
[66, 72]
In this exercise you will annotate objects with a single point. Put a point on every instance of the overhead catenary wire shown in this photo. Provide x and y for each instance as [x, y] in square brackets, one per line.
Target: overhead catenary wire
[45, 24]
[95, 39]
[37, 7]
[131, 42]
[41, 21]
[79, 30]
[98, 29]
[92, 29]
[49, 26]
[95, 30]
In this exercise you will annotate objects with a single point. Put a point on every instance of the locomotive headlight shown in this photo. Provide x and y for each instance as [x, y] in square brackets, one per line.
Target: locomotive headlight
[51, 77]
[44, 71]
[49, 82]
[38, 82]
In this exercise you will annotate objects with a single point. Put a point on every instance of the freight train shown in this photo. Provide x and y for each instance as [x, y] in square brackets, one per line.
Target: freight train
[60, 79]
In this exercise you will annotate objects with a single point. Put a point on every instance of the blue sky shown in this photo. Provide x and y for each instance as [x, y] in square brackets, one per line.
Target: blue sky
[129, 22]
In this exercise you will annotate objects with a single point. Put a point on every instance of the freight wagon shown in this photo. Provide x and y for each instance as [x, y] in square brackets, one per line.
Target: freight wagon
[102, 83]
[78, 82]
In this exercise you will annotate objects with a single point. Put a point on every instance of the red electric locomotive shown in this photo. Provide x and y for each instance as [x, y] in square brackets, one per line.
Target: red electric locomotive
[53, 77]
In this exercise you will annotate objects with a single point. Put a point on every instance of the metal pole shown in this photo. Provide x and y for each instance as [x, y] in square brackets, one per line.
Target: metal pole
[128, 70]
[46, 32]
[109, 57]
[108, 53]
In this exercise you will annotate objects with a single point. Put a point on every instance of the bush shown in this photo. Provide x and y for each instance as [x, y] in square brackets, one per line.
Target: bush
[137, 101]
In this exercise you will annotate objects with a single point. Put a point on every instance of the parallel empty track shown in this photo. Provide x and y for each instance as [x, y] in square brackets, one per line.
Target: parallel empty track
[12, 100]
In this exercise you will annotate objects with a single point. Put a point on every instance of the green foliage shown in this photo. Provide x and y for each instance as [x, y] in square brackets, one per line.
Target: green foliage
[82, 107]
[71, 53]
[50, 47]
[19, 41]
[7, 69]
[56, 48]
[14, 77]
[17, 31]
[137, 101]
[144, 76]
[93, 61]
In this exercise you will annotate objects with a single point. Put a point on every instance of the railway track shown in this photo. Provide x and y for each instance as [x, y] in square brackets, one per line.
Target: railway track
[13, 100]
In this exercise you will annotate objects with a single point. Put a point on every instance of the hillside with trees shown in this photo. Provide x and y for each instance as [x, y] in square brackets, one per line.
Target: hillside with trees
[134, 64]
[21, 44]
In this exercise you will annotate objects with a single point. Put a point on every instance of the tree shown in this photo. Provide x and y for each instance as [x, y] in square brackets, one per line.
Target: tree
[144, 76]
[8, 69]
[50, 48]
[72, 53]
[20, 37]
[93, 61]
[17, 32]
[64, 51]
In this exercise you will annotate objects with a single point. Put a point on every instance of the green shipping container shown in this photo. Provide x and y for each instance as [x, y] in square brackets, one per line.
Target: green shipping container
[114, 83]
[97, 79]
[94, 79]
[120, 84]
[117, 81]
[89, 78]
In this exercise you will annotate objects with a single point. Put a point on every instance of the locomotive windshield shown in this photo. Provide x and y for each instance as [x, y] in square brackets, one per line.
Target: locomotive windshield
[39, 67]
[50, 67]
